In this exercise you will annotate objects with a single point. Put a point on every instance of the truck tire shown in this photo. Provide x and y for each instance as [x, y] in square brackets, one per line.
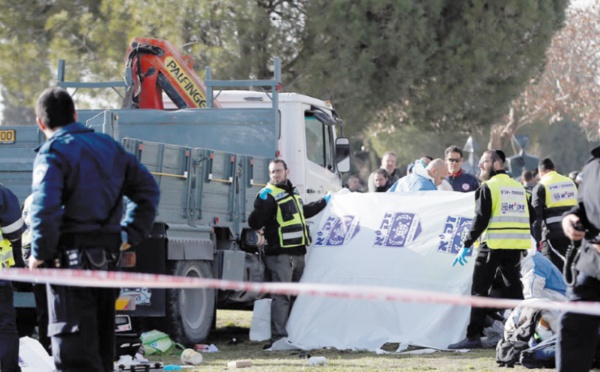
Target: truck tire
[191, 311]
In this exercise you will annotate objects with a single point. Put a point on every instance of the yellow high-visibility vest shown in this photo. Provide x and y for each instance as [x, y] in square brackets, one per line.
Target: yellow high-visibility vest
[509, 226]
[292, 228]
[560, 192]
[6, 254]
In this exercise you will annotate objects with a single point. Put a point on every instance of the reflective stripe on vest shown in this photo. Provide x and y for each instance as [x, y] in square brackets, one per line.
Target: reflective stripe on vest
[12, 227]
[290, 218]
[6, 254]
[560, 190]
[509, 224]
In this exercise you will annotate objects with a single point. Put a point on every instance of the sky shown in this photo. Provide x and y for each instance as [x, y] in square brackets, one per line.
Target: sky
[582, 3]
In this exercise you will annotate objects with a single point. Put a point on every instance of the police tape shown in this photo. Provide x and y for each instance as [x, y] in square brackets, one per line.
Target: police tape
[117, 279]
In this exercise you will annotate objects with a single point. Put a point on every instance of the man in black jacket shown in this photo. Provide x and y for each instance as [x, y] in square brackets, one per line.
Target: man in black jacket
[578, 333]
[554, 195]
[280, 213]
[78, 216]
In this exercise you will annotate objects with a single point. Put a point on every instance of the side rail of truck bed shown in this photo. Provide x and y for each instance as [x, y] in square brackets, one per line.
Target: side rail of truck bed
[202, 187]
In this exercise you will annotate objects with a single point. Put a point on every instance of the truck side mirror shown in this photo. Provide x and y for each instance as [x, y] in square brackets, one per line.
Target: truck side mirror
[342, 154]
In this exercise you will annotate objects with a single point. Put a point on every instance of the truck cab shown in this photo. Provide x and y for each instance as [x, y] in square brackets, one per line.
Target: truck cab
[305, 138]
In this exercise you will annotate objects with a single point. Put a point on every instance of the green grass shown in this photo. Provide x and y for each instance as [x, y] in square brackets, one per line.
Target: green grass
[236, 324]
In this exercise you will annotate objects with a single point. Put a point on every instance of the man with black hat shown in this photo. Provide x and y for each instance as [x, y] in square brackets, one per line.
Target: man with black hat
[551, 197]
[502, 219]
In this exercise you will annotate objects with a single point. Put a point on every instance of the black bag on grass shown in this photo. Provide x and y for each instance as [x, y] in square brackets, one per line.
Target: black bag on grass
[519, 328]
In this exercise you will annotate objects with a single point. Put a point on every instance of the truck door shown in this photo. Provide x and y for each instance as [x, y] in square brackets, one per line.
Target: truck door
[321, 175]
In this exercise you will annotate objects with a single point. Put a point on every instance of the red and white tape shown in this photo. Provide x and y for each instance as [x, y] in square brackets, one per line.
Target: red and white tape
[114, 279]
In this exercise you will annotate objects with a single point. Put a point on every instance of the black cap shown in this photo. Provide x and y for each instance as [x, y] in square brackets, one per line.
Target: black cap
[546, 164]
[502, 155]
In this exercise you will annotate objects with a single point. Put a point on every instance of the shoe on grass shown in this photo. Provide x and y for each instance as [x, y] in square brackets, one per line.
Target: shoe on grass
[268, 347]
[467, 343]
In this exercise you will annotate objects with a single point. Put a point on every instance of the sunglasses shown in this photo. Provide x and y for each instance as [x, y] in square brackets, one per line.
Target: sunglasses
[452, 160]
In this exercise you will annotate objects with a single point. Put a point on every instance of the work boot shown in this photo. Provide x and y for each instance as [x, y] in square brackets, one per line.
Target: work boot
[281, 344]
[269, 346]
[467, 343]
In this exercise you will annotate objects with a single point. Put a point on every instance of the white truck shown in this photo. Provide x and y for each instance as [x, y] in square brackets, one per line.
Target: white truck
[209, 163]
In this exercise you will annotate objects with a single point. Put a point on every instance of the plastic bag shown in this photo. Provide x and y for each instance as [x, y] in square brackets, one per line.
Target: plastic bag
[156, 342]
[33, 357]
[260, 329]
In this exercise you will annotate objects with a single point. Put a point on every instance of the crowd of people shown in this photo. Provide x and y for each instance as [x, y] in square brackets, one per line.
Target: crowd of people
[543, 207]
[386, 177]
[533, 235]
[425, 173]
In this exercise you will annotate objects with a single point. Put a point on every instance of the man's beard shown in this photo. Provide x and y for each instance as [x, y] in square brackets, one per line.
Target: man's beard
[381, 188]
[486, 174]
[281, 183]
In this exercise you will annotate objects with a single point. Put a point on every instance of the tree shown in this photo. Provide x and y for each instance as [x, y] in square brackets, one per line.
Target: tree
[438, 64]
[240, 38]
[569, 84]
[546, 137]
[441, 62]
[22, 48]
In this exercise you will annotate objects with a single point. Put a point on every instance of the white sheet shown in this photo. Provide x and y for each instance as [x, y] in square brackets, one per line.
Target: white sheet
[401, 240]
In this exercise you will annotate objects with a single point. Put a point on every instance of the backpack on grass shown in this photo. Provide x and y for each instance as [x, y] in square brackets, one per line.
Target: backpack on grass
[519, 328]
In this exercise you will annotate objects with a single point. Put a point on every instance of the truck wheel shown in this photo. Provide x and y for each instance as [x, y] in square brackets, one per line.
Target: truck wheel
[191, 311]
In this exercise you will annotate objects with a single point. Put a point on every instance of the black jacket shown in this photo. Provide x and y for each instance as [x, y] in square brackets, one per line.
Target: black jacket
[588, 210]
[264, 216]
[553, 230]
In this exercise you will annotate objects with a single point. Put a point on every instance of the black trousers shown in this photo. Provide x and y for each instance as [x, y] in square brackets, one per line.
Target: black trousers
[41, 308]
[9, 337]
[489, 262]
[578, 333]
[82, 327]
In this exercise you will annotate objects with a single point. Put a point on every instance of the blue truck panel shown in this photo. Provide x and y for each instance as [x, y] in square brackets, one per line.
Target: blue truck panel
[240, 131]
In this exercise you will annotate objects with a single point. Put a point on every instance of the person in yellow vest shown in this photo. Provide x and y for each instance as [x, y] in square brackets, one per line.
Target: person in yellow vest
[11, 228]
[280, 213]
[554, 195]
[502, 221]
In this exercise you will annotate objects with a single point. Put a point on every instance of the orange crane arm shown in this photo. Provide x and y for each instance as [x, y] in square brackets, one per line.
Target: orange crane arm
[157, 66]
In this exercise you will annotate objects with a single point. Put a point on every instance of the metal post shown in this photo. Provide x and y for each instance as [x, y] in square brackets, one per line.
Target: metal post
[277, 77]
[61, 70]
[209, 89]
